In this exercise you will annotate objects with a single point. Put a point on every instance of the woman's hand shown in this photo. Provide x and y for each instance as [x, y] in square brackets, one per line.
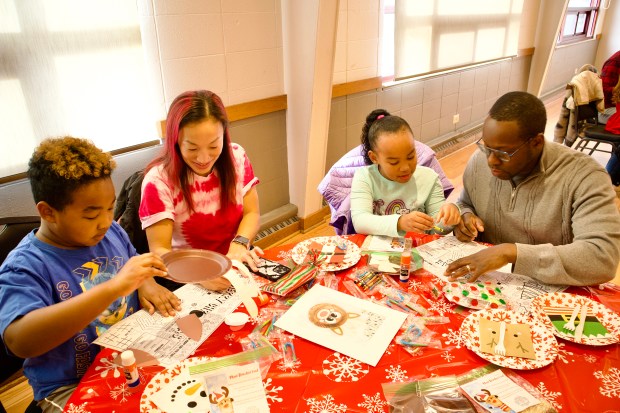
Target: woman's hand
[241, 253]
[415, 222]
[449, 215]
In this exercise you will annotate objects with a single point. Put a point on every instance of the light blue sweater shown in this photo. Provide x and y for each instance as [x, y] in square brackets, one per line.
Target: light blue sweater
[377, 202]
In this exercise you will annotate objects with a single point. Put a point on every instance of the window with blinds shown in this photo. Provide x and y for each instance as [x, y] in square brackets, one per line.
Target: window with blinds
[71, 67]
[436, 35]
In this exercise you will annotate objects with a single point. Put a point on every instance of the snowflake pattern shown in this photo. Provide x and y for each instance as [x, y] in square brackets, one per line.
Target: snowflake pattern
[259, 319]
[396, 374]
[230, 337]
[447, 356]
[549, 395]
[441, 307]
[120, 393]
[291, 366]
[271, 392]
[562, 353]
[589, 358]
[325, 406]
[414, 285]
[373, 404]
[108, 366]
[454, 337]
[341, 368]
[80, 408]
[611, 382]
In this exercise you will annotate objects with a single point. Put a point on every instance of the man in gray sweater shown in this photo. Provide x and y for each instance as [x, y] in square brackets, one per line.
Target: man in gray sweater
[548, 209]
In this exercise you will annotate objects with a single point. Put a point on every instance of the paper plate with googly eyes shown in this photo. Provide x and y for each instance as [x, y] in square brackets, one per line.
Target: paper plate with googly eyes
[475, 295]
[173, 389]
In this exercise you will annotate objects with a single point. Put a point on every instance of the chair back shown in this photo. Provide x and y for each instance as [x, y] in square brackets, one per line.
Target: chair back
[12, 231]
[336, 184]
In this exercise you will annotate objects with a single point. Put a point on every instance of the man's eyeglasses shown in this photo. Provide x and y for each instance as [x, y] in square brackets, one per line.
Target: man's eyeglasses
[501, 155]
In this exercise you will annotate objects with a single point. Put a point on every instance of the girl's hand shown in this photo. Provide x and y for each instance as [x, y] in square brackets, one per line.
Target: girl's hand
[449, 215]
[415, 222]
[240, 253]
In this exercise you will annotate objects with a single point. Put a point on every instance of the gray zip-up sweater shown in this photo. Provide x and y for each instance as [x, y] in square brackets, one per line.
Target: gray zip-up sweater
[562, 216]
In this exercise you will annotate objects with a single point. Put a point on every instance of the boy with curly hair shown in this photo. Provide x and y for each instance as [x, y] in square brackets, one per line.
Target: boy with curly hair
[76, 275]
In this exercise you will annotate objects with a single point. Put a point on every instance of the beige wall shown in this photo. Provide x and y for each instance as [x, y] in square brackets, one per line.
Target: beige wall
[428, 105]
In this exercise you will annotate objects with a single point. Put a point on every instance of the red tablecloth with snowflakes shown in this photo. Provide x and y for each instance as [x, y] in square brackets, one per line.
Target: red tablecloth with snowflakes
[581, 379]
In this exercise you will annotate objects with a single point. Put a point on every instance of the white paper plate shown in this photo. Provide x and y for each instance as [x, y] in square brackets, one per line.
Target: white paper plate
[554, 304]
[545, 345]
[351, 256]
[163, 379]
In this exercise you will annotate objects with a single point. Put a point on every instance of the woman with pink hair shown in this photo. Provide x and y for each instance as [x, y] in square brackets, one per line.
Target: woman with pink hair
[200, 192]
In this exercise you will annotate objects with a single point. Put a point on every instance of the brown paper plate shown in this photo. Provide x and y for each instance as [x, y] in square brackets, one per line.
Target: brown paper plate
[194, 265]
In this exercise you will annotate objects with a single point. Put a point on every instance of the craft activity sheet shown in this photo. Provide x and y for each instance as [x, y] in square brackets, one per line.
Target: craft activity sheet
[383, 243]
[357, 328]
[169, 340]
[442, 252]
[236, 388]
[496, 393]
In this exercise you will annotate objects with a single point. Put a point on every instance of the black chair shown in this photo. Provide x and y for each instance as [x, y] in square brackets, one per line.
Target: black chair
[12, 231]
[597, 135]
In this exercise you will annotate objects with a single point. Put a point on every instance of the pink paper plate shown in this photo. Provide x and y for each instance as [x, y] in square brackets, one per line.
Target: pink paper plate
[194, 265]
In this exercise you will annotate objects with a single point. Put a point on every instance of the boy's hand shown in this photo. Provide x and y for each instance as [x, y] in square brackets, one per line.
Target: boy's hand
[138, 269]
[449, 215]
[156, 297]
[415, 222]
[469, 227]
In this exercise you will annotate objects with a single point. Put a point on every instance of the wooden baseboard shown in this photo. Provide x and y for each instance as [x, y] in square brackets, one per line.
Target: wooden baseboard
[314, 219]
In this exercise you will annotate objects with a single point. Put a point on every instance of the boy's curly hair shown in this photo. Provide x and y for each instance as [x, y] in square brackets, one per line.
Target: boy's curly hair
[59, 166]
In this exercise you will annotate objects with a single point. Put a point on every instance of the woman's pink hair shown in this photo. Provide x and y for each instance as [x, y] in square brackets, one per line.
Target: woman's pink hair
[187, 108]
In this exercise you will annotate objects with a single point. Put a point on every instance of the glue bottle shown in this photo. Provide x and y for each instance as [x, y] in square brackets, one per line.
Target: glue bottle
[130, 368]
[405, 261]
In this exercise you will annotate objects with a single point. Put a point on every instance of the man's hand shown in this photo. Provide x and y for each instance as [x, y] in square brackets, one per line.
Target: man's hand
[489, 259]
[156, 297]
[415, 222]
[469, 227]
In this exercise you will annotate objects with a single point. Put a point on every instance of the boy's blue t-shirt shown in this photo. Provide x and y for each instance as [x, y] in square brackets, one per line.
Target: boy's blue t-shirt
[36, 275]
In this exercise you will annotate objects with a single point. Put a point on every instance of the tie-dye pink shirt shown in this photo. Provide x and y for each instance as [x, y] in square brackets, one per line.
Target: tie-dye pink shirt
[209, 226]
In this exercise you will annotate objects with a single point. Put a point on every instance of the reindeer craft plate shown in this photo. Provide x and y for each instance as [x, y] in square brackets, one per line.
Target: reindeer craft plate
[329, 253]
[161, 390]
[543, 341]
[602, 326]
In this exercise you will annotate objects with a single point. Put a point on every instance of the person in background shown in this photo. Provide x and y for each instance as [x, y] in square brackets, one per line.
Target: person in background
[393, 195]
[200, 192]
[68, 281]
[613, 126]
[548, 209]
[609, 75]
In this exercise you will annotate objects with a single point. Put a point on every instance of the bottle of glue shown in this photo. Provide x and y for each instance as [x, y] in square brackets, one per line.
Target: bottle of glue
[130, 368]
[405, 260]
